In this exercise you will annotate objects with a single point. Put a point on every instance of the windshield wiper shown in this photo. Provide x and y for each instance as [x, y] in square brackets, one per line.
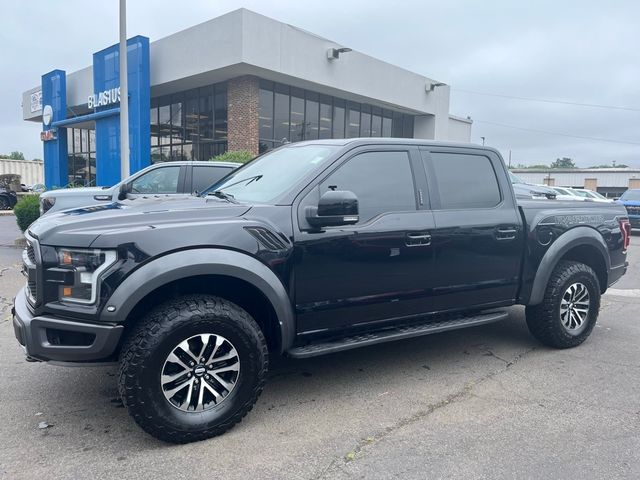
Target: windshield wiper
[225, 196]
[228, 196]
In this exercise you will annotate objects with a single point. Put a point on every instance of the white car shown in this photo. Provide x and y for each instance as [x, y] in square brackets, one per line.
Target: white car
[568, 194]
[591, 195]
[161, 179]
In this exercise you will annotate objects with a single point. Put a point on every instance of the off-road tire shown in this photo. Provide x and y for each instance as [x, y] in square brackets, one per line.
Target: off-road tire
[544, 320]
[4, 203]
[153, 338]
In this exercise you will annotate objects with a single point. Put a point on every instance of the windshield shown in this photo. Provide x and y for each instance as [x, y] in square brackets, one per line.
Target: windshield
[514, 179]
[582, 193]
[269, 176]
[631, 195]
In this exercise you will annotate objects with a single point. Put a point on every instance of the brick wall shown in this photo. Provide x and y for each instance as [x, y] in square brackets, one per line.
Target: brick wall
[242, 114]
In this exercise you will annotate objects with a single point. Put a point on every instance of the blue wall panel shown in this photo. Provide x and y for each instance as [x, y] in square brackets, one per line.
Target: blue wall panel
[54, 93]
[106, 76]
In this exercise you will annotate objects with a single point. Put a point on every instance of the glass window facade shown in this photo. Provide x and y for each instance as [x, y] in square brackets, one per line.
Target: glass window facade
[192, 124]
[81, 148]
[290, 114]
[189, 125]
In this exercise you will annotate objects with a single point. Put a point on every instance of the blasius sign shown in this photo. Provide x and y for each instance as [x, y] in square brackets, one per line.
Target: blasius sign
[107, 97]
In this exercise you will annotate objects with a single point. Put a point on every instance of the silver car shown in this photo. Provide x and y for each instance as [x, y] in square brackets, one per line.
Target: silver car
[161, 179]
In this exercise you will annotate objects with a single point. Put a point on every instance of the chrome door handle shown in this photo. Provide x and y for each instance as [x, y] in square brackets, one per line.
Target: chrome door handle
[506, 233]
[418, 239]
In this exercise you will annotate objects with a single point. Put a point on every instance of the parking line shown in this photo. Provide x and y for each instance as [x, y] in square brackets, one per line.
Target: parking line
[634, 292]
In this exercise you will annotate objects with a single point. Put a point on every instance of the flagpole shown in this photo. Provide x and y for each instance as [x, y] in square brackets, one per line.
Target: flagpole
[124, 95]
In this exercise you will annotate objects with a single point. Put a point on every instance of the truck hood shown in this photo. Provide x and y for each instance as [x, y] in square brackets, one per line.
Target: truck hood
[526, 190]
[629, 203]
[77, 192]
[80, 227]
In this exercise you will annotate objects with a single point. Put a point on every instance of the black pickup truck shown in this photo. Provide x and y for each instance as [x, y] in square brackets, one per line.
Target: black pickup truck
[312, 248]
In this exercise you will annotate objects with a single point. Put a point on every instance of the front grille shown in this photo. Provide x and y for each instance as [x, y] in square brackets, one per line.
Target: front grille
[633, 210]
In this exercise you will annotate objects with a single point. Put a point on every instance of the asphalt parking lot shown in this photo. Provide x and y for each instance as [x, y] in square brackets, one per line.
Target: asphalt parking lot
[487, 402]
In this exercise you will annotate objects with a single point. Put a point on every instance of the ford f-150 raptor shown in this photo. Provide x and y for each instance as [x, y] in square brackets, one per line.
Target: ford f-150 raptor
[312, 248]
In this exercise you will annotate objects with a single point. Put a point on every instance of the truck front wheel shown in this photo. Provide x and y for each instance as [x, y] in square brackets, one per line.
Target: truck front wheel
[570, 307]
[192, 368]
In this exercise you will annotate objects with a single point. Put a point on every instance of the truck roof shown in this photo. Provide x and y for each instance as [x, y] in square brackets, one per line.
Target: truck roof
[389, 141]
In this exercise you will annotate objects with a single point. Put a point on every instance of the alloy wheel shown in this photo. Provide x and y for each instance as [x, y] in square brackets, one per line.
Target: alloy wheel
[200, 372]
[574, 308]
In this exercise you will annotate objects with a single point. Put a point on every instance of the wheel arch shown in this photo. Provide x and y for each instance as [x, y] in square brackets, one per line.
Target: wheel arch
[582, 244]
[237, 277]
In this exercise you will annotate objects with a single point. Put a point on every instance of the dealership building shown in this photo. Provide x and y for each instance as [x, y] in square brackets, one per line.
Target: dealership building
[241, 81]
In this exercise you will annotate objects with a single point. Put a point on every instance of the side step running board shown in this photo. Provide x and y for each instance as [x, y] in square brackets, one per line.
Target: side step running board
[393, 333]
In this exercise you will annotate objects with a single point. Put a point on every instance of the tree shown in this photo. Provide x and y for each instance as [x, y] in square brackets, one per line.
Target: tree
[563, 162]
[605, 165]
[537, 166]
[16, 155]
[240, 156]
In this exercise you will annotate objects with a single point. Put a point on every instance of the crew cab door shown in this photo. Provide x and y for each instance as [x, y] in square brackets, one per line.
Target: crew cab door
[379, 268]
[164, 180]
[478, 236]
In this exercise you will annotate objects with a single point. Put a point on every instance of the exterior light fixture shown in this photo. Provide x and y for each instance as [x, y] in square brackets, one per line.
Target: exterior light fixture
[334, 53]
[430, 86]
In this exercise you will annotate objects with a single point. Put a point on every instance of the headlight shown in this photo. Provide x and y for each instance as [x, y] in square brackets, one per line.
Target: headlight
[46, 203]
[87, 266]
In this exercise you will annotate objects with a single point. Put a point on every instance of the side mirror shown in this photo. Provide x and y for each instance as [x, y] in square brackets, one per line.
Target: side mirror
[615, 199]
[335, 208]
[122, 193]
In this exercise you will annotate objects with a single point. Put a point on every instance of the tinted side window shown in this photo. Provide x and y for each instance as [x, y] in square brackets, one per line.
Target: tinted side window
[382, 181]
[204, 177]
[160, 180]
[465, 181]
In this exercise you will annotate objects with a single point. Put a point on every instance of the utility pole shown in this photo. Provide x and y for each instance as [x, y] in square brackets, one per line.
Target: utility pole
[509, 158]
[124, 94]
[482, 141]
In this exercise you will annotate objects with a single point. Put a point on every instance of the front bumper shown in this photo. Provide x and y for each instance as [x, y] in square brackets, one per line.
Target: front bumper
[48, 338]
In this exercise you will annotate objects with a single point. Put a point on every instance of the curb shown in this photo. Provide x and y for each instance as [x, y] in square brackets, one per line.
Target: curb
[6, 213]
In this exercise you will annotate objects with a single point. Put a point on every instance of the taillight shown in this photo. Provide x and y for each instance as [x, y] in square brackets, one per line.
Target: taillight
[625, 228]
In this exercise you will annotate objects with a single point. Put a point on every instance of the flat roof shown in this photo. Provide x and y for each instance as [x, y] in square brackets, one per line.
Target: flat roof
[392, 141]
[243, 42]
[576, 170]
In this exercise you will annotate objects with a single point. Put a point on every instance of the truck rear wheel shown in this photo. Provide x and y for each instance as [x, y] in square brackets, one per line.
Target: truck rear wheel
[192, 368]
[570, 307]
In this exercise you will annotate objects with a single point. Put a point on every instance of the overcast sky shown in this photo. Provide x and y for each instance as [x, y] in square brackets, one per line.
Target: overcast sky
[582, 51]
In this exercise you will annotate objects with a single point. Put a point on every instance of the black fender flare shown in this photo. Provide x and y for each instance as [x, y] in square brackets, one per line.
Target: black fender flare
[202, 261]
[572, 238]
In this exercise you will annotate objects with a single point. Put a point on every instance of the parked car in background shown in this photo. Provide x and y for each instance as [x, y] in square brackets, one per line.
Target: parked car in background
[524, 190]
[7, 199]
[591, 195]
[568, 194]
[161, 179]
[631, 201]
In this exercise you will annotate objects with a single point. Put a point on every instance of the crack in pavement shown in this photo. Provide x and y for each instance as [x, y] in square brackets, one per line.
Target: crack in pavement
[461, 394]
